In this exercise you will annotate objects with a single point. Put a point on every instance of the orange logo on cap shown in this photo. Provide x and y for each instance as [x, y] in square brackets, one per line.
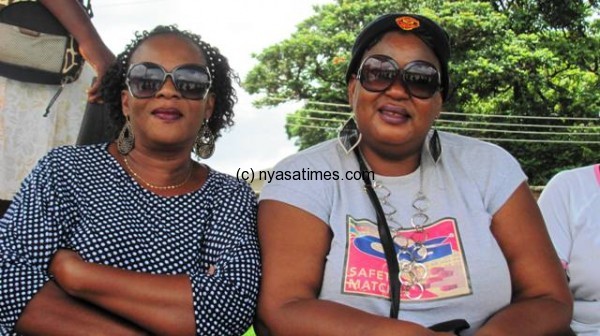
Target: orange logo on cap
[407, 23]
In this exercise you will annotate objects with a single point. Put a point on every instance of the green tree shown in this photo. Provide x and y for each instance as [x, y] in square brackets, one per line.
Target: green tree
[533, 62]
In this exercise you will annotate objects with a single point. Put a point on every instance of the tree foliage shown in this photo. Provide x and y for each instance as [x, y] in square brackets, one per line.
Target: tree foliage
[524, 59]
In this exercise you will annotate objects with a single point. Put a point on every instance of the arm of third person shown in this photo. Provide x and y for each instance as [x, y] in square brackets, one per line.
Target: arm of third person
[73, 17]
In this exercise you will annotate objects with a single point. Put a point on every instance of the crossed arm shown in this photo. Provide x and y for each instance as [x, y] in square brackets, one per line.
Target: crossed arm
[109, 299]
[67, 295]
[51, 307]
[294, 255]
[541, 302]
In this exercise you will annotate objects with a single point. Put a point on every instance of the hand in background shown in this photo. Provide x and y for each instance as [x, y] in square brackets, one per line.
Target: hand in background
[73, 16]
[100, 58]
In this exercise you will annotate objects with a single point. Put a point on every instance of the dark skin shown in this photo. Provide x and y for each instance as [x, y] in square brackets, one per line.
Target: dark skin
[73, 17]
[294, 254]
[116, 301]
[292, 274]
[53, 304]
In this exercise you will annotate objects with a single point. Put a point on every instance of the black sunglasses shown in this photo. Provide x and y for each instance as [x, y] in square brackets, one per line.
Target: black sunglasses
[378, 72]
[144, 80]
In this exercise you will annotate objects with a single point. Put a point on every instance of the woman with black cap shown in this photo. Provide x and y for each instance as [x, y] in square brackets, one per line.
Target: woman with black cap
[443, 226]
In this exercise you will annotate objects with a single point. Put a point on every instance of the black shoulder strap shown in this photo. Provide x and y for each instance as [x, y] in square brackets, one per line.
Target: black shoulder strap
[387, 242]
[386, 239]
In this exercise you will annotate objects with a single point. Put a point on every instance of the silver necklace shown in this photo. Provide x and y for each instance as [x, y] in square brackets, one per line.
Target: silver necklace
[412, 250]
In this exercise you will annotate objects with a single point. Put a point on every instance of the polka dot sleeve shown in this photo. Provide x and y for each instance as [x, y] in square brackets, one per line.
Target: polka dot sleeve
[80, 198]
[225, 294]
[29, 237]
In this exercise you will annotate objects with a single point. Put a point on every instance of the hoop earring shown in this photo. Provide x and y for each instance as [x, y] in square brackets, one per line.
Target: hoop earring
[126, 139]
[349, 136]
[204, 146]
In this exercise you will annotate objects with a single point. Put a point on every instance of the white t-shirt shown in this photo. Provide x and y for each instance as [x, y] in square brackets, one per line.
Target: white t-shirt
[468, 276]
[570, 204]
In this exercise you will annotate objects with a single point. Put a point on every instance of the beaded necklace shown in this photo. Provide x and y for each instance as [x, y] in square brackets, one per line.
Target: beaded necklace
[154, 186]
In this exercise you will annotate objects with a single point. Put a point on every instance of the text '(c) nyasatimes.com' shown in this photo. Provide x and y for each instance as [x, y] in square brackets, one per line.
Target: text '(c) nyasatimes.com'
[306, 174]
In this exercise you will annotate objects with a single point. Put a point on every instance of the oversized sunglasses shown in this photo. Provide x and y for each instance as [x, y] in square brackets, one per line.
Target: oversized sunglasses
[378, 72]
[192, 81]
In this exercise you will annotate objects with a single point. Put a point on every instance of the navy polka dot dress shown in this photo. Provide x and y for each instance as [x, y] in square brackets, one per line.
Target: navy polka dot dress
[81, 198]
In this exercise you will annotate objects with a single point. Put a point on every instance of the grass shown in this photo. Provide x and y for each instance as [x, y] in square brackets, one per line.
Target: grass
[250, 332]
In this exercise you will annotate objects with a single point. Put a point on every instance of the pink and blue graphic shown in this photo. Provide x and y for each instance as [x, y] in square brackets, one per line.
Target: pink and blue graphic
[366, 270]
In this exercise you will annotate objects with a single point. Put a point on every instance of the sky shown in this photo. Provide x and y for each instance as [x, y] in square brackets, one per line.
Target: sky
[238, 28]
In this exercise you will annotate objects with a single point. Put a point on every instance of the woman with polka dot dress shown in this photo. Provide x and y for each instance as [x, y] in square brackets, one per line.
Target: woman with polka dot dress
[134, 236]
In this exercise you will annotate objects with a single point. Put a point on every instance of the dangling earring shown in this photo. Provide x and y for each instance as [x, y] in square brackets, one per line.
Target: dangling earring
[126, 139]
[435, 146]
[349, 136]
[204, 146]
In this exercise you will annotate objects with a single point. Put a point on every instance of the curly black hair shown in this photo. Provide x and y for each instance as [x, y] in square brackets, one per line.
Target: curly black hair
[113, 81]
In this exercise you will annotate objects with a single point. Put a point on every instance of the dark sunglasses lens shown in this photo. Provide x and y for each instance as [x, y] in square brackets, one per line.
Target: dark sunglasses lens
[145, 80]
[422, 79]
[377, 74]
[192, 81]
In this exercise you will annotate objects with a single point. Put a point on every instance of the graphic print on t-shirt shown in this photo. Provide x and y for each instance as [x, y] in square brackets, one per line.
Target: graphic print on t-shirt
[366, 271]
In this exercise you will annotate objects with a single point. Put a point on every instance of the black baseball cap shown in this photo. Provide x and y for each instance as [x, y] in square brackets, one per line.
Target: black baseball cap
[426, 29]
